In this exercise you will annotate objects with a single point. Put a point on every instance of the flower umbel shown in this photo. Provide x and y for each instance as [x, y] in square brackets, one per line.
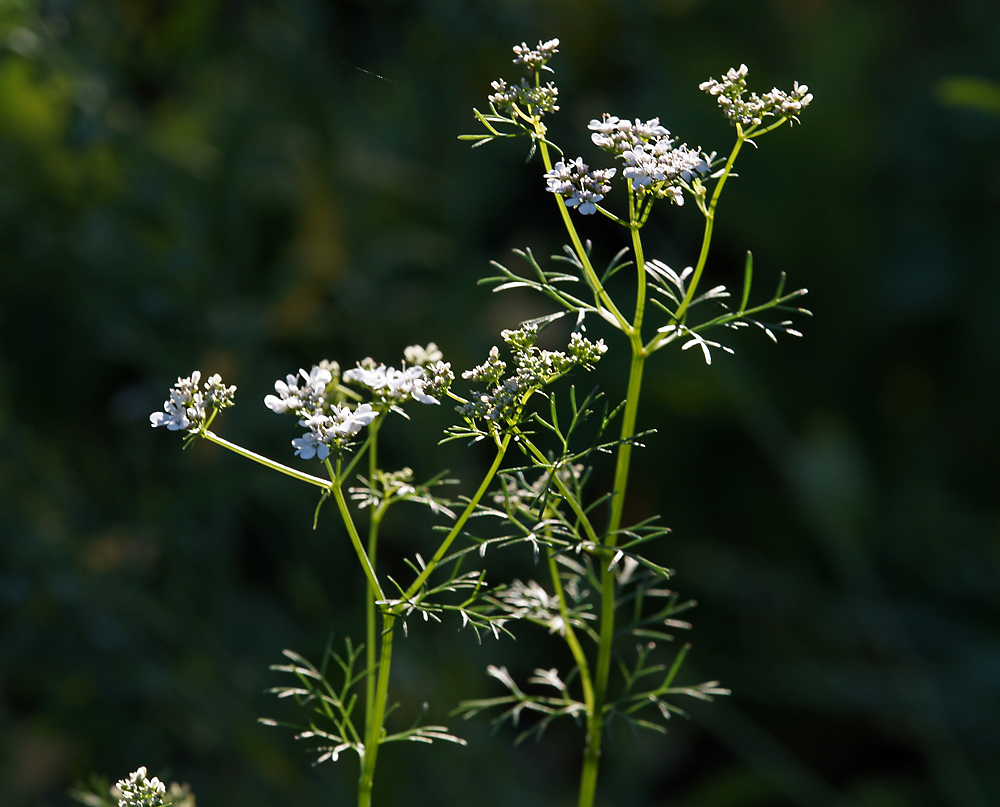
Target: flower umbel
[389, 385]
[750, 110]
[536, 58]
[654, 164]
[617, 136]
[190, 407]
[659, 168]
[581, 187]
[507, 97]
[333, 430]
[307, 398]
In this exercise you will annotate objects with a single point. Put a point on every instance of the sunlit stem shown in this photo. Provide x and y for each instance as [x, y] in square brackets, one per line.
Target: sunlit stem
[602, 669]
[352, 531]
[374, 727]
[706, 240]
[640, 263]
[588, 269]
[371, 611]
[570, 635]
[268, 463]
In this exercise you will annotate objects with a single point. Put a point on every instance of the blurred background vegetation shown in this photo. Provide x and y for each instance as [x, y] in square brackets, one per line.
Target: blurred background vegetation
[250, 186]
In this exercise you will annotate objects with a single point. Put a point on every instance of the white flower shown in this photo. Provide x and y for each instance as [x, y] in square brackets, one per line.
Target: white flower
[292, 397]
[189, 407]
[311, 443]
[535, 59]
[138, 791]
[391, 385]
[331, 430]
[750, 109]
[582, 187]
[420, 356]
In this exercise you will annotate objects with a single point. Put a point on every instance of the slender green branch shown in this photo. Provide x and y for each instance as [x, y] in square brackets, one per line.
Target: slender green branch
[374, 727]
[588, 269]
[268, 463]
[570, 635]
[706, 240]
[371, 628]
[352, 531]
[564, 490]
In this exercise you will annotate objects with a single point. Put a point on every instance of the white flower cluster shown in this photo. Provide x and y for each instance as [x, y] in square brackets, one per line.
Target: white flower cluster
[333, 427]
[328, 424]
[617, 136]
[537, 58]
[652, 162]
[535, 368]
[304, 392]
[750, 110]
[658, 168]
[581, 187]
[319, 400]
[390, 385]
[190, 407]
[506, 96]
[421, 356]
[427, 379]
[138, 791]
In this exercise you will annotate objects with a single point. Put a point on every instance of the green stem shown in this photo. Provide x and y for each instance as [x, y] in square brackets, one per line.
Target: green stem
[590, 275]
[371, 628]
[352, 531]
[570, 635]
[595, 718]
[268, 463]
[706, 240]
[602, 669]
[374, 727]
[640, 265]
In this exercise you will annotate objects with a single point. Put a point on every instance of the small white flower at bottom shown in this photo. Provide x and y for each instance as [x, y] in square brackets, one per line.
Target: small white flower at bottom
[138, 791]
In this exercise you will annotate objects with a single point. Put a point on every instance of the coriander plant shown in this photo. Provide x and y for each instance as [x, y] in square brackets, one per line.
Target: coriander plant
[598, 593]
[581, 552]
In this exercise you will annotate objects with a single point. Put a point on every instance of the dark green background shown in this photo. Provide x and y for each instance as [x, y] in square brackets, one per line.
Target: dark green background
[230, 186]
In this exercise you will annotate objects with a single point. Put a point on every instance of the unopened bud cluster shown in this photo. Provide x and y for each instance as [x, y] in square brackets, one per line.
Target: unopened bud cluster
[750, 110]
[534, 369]
[540, 100]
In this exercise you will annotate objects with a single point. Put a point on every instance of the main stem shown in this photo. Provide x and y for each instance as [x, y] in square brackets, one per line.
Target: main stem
[595, 719]
[373, 728]
[706, 240]
[371, 627]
